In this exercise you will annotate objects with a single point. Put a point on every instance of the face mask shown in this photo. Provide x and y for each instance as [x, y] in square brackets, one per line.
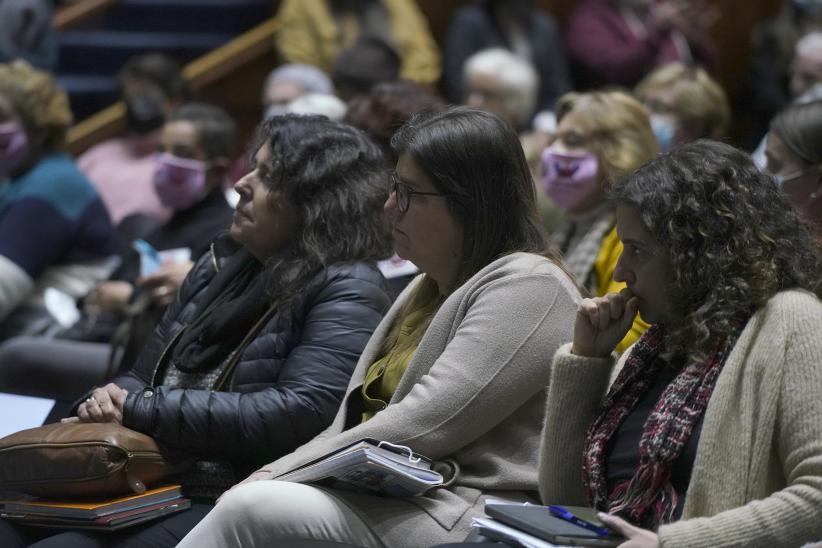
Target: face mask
[568, 179]
[664, 130]
[14, 147]
[179, 182]
[144, 114]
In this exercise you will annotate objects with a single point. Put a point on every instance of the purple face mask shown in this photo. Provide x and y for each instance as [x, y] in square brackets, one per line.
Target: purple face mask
[179, 182]
[569, 178]
[14, 147]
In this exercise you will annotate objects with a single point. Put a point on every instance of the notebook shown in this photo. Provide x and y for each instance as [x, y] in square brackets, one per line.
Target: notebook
[89, 510]
[539, 522]
[109, 522]
[370, 465]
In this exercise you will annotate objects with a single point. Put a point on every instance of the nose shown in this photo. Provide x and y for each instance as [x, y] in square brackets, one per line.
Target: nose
[243, 186]
[623, 272]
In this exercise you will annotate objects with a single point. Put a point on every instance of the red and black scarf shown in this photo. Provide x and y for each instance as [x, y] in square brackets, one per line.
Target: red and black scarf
[648, 497]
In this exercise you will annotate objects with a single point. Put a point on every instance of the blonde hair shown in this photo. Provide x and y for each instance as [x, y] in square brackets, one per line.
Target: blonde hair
[621, 133]
[37, 100]
[696, 97]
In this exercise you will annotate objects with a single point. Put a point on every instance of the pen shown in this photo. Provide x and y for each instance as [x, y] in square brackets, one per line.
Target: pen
[564, 514]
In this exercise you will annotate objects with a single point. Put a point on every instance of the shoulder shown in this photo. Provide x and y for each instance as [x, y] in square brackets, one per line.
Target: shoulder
[792, 310]
[518, 275]
[519, 265]
[353, 281]
[57, 181]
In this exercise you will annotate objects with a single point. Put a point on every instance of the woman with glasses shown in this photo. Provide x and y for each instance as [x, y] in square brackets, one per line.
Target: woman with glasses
[458, 368]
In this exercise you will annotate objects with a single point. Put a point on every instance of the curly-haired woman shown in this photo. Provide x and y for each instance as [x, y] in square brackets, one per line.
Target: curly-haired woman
[54, 229]
[252, 358]
[711, 433]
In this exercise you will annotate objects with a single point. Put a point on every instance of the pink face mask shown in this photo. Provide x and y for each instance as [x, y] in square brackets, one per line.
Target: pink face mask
[179, 182]
[568, 179]
[14, 147]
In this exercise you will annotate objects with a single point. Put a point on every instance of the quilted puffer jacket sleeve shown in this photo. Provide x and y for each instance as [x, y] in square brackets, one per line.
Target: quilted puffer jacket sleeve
[253, 426]
[140, 375]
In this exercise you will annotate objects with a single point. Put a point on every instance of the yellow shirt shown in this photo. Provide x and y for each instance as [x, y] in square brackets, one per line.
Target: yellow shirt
[605, 264]
[384, 375]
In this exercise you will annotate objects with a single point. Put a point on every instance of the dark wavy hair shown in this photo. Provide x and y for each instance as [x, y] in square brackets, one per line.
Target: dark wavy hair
[333, 177]
[733, 239]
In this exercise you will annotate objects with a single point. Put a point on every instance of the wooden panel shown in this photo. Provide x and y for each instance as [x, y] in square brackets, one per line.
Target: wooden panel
[223, 68]
[74, 13]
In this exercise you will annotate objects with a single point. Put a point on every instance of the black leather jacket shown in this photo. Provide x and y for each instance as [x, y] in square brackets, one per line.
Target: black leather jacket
[284, 383]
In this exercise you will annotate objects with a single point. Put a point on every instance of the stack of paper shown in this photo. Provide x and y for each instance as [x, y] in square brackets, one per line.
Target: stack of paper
[102, 515]
[371, 465]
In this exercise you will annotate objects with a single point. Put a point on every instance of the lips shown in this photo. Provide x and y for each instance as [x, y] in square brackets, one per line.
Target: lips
[242, 214]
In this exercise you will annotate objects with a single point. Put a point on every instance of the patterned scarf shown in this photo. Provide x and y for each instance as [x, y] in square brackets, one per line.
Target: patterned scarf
[664, 436]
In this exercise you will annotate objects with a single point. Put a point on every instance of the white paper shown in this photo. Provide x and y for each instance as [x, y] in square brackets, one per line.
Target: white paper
[61, 306]
[22, 412]
[524, 539]
[396, 267]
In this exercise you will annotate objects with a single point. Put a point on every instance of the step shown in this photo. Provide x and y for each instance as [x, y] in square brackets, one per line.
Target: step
[105, 52]
[213, 16]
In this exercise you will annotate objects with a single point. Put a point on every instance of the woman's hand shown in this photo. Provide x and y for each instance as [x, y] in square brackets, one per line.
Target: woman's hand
[635, 537]
[109, 296]
[165, 283]
[602, 322]
[104, 405]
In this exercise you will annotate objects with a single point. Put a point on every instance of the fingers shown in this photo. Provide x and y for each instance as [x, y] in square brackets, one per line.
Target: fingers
[117, 394]
[602, 312]
[618, 524]
[99, 407]
[70, 419]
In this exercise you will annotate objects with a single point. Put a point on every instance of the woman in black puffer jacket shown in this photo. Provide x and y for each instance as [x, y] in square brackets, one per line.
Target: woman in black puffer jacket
[254, 354]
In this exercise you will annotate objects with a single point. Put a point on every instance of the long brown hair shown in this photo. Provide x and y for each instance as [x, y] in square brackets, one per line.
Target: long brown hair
[476, 160]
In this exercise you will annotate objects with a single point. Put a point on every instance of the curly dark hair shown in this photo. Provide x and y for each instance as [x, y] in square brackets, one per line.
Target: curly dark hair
[334, 178]
[733, 239]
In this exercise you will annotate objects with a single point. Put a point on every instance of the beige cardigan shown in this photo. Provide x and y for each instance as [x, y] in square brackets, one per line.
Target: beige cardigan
[757, 477]
[473, 392]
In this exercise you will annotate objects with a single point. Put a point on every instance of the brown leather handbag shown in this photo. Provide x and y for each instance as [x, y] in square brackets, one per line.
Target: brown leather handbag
[77, 460]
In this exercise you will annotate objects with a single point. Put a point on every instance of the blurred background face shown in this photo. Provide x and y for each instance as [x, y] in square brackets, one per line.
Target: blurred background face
[800, 181]
[146, 105]
[279, 94]
[573, 135]
[182, 139]
[806, 71]
[669, 128]
[487, 92]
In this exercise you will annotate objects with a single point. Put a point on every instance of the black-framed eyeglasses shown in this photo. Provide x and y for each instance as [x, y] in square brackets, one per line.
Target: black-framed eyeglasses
[403, 193]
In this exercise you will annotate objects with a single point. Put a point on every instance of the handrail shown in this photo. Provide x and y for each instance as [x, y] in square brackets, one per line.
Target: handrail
[198, 74]
[75, 13]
